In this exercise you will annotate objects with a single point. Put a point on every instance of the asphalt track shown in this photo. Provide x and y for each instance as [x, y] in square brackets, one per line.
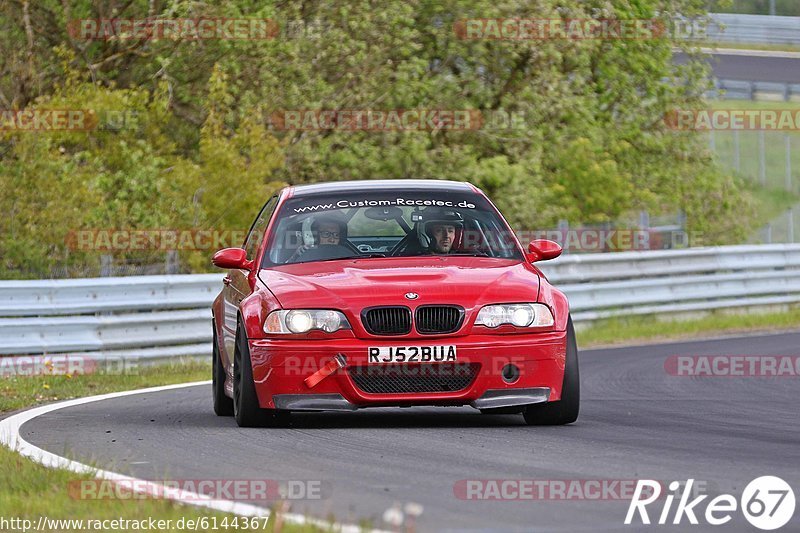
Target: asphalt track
[637, 421]
[767, 69]
[752, 68]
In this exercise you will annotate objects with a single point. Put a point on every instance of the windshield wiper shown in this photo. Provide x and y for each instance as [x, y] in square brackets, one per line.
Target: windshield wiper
[365, 256]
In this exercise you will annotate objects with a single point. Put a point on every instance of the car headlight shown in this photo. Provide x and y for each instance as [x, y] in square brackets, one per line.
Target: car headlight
[519, 315]
[305, 320]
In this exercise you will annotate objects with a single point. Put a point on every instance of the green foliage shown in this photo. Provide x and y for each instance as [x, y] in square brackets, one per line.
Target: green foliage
[586, 140]
[127, 174]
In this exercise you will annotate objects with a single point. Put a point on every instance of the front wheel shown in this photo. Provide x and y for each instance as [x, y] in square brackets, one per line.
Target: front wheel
[564, 411]
[246, 410]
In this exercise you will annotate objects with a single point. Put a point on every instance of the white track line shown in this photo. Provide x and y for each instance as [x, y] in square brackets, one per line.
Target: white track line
[11, 438]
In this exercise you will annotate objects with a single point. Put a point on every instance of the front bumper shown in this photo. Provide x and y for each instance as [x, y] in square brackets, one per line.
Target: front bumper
[280, 368]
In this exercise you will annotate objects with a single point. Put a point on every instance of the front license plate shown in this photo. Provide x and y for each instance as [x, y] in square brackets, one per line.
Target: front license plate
[412, 354]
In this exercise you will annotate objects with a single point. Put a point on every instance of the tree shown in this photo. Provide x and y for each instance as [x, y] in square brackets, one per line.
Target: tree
[571, 128]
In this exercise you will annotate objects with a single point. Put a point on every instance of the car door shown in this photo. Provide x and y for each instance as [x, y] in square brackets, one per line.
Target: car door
[238, 283]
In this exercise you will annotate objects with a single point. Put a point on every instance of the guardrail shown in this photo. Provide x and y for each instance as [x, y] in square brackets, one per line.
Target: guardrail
[148, 317]
[157, 317]
[756, 29]
[677, 281]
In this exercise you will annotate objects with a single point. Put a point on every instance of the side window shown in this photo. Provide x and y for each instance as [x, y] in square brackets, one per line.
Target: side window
[258, 228]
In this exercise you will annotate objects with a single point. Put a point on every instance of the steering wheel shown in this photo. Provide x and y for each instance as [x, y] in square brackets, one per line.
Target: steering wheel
[350, 246]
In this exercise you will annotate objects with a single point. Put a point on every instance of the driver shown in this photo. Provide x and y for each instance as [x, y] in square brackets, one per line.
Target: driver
[441, 231]
[326, 231]
[443, 235]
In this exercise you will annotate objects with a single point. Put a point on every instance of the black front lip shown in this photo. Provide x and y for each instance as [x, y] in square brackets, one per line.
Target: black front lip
[491, 399]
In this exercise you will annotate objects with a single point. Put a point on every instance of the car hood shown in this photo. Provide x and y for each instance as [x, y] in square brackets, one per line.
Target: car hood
[356, 284]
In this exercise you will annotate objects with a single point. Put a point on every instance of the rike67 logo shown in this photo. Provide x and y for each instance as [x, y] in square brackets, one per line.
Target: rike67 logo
[767, 503]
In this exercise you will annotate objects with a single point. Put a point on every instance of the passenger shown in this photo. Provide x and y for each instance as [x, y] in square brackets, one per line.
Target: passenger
[326, 231]
[329, 232]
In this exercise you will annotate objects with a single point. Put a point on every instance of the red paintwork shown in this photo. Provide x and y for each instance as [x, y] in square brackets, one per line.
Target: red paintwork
[231, 258]
[540, 358]
[543, 249]
[351, 285]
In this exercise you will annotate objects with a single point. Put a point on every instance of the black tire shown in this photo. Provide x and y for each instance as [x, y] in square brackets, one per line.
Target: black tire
[223, 406]
[246, 410]
[564, 411]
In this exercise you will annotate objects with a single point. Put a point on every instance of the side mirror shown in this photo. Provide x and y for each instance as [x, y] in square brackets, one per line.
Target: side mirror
[542, 250]
[229, 258]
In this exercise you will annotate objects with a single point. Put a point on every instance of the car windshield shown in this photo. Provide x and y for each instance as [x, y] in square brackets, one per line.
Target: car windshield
[388, 224]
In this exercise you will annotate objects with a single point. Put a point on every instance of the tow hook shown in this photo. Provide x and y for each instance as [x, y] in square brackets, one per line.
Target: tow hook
[336, 362]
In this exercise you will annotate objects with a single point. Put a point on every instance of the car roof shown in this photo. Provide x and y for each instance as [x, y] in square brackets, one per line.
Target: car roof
[384, 185]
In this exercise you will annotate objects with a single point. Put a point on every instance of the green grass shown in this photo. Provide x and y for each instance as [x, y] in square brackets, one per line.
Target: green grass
[752, 46]
[25, 391]
[771, 197]
[630, 330]
[771, 203]
[749, 148]
[771, 206]
[29, 490]
[753, 104]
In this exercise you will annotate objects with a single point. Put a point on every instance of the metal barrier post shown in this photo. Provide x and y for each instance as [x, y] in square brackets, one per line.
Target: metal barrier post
[788, 145]
[106, 265]
[172, 265]
[563, 230]
[762, 158]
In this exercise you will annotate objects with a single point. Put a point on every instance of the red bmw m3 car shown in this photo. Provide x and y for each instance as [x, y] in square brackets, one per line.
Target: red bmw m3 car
[362, 294]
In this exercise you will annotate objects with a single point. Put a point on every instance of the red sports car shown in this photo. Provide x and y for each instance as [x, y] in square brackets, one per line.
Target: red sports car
[389, 293]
